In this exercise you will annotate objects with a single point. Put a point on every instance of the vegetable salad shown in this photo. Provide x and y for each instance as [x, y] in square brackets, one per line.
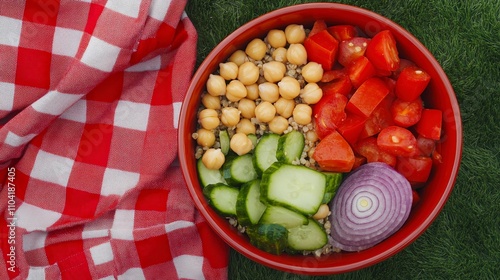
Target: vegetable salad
[288, 121]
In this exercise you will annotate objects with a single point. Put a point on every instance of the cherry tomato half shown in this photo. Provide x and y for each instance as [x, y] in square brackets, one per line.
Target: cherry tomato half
[406, 113]
[411, 82]
[369, 149]
[382, 51]
[328, 113]
[397, 141]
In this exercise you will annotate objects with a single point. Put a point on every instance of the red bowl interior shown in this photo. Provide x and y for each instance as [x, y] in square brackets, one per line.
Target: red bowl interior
[439, 95]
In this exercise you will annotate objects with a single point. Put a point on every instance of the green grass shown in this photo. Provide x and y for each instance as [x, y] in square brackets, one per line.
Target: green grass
[464, 36]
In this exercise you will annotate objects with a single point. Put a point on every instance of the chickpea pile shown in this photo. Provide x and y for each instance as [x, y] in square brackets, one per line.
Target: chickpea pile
[267, 87]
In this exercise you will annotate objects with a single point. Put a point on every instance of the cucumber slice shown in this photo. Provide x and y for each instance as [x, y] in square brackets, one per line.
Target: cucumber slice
[282, 216]
[238, 170]
[222, 198]
[307, 237]
[290, 147]
[293, 186]
[265, 152]
[249, 208]
[333, 180]
[224, 141]
[208, 176]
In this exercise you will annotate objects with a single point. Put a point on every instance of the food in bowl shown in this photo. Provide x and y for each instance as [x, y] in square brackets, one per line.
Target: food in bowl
[283, 120]
[438, 95]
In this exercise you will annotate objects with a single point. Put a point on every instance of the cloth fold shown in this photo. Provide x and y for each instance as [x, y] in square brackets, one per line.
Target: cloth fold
[90, 93]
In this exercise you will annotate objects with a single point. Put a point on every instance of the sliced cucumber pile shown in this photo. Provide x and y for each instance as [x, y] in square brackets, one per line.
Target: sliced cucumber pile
[270, 195]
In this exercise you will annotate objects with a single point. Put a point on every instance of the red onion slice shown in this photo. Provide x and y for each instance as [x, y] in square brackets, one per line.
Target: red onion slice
[372, 203]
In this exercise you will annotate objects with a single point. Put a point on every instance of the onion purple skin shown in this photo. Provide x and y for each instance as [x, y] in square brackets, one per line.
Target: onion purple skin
[372, 203]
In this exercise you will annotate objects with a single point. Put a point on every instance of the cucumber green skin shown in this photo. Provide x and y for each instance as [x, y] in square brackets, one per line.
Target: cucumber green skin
[272, 238]
[225, 207]
[208, 176]
[333, 181]
[228, 170]
[267, 180]
[249, 208]
[266, 149]
[308, 237]
[290, 147]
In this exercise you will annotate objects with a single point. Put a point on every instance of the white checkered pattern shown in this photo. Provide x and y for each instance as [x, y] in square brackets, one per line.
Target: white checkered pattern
[90, 95]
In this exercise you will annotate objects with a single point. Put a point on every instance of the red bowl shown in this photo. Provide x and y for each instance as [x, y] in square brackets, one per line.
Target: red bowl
[440, 95]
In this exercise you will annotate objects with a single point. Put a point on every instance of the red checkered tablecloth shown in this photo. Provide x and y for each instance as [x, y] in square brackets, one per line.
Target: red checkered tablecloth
[90, 93]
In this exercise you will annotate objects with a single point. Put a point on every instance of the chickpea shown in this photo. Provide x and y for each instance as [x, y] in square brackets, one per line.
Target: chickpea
[265, 111]
[256, 49]
[248, 73]
[311, 136]
[274, 71]
[236, 91]
[269, 92]
[295, 33]
[289, 87]
[247, 108]
[209, 119]
[213, 158]
[216, 85]
[228, 70]
[245, 126]
[323, 212]
[230, 116]
[239, 57]
[210, 101]
[240, 144]
[296, 54]
[279, 54]
[206, 138]
[302, 114]
[276, 38]
[312, 72]
[252, 91]
[284, 107]
[311, 93]
[278, 124]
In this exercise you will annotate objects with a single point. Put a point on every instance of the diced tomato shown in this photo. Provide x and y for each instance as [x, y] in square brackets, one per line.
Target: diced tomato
[367, 97]
[397, 141]
[430, 124]
[319, 25]
[406, 113]
[425, 146]
[343, 32]
[360, 70]
[351, 127]
[341, 85]
[416, 198]
[415, 169]
[322, 48]
[380, 118]
[328, 113]
[411, 83]
[382, 51]
[333, 153]
[351, 49]
[369, 149]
